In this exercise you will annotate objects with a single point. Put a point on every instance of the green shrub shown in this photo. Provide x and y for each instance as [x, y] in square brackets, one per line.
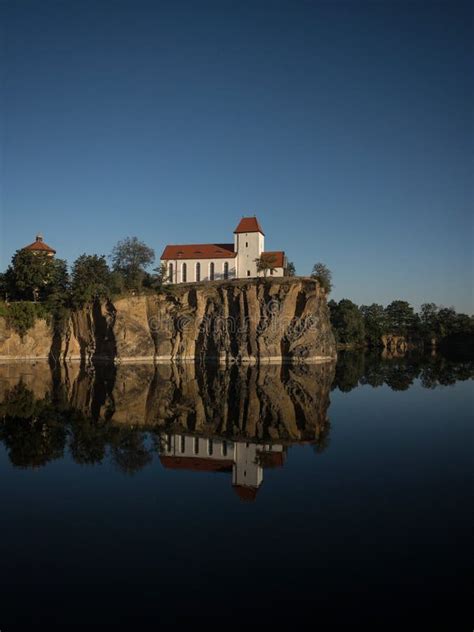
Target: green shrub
[22, 316]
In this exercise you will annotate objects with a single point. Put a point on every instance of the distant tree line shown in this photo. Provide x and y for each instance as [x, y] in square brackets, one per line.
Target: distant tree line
[368, 324]
[372, 325]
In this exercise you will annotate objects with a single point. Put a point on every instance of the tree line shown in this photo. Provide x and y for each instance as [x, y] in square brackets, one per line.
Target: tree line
[38, 277]
[366, 325]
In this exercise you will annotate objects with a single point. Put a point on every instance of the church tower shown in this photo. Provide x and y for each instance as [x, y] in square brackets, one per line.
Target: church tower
[249, 241]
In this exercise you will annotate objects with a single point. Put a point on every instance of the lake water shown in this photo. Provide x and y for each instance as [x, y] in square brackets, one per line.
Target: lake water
[142, 495]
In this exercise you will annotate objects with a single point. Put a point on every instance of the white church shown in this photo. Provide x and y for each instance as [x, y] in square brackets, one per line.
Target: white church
[187, 263]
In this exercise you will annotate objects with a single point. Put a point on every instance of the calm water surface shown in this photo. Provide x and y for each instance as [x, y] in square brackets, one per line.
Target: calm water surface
[139, 495]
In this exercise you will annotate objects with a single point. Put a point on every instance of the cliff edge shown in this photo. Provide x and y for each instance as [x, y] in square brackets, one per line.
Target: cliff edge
[269, 320]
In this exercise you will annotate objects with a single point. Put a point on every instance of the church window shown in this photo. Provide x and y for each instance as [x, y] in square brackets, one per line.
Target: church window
[226, 270]
[184, 271]
[211, 271]
[198, 271]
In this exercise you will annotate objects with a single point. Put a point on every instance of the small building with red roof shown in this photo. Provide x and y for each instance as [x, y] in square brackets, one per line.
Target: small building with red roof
[244, 258]
[40, 246]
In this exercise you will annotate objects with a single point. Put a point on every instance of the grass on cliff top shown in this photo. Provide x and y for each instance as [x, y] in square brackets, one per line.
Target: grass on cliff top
[22, 315]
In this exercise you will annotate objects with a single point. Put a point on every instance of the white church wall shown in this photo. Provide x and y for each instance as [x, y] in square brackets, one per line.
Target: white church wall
[191, 269]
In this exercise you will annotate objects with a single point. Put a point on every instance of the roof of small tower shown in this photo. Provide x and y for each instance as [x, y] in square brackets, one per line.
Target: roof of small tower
[39, 246]
[249, 225]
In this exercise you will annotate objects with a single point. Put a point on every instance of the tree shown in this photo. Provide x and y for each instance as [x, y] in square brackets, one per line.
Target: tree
[36, 276]
[130, 257]
[56, 290]
[429, 320]
[323, 275]
[347, 322]
[464, 324]
[401, 318]
[446, 321]
[266, 264]
[290, 269]
[90, 279]
[375, 323]
[161, 276]
[4, 286]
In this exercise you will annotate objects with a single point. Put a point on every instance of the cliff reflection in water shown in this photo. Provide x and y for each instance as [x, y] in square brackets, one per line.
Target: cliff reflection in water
[240, 420]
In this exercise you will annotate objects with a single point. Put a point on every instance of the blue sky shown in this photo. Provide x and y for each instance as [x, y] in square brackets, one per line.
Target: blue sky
[346, 127]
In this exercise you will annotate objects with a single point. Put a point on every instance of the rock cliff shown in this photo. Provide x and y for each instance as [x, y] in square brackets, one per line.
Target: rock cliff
[36, 343]
[239, 321]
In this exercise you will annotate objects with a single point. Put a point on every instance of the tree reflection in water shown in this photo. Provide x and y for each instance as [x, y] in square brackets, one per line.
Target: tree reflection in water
[399, 372]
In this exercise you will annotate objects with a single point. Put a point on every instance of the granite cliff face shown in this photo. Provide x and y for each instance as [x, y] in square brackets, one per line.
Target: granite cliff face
[36, 343]
[240, 321]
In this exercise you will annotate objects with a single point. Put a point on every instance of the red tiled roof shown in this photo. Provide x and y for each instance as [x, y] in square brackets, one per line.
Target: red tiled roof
[199, 251]
[246, 494]
[197, 464]
[39, 246]
[249, 225]
[277, 256]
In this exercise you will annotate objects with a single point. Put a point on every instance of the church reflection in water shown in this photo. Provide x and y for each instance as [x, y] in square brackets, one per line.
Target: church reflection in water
[239, 420]
[244, 460]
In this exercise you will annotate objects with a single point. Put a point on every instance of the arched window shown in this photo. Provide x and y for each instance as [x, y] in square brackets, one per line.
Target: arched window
[184, 273]
[211, 271]
[171, 272]
[198, 271]
[226, 270]
[183, 444]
